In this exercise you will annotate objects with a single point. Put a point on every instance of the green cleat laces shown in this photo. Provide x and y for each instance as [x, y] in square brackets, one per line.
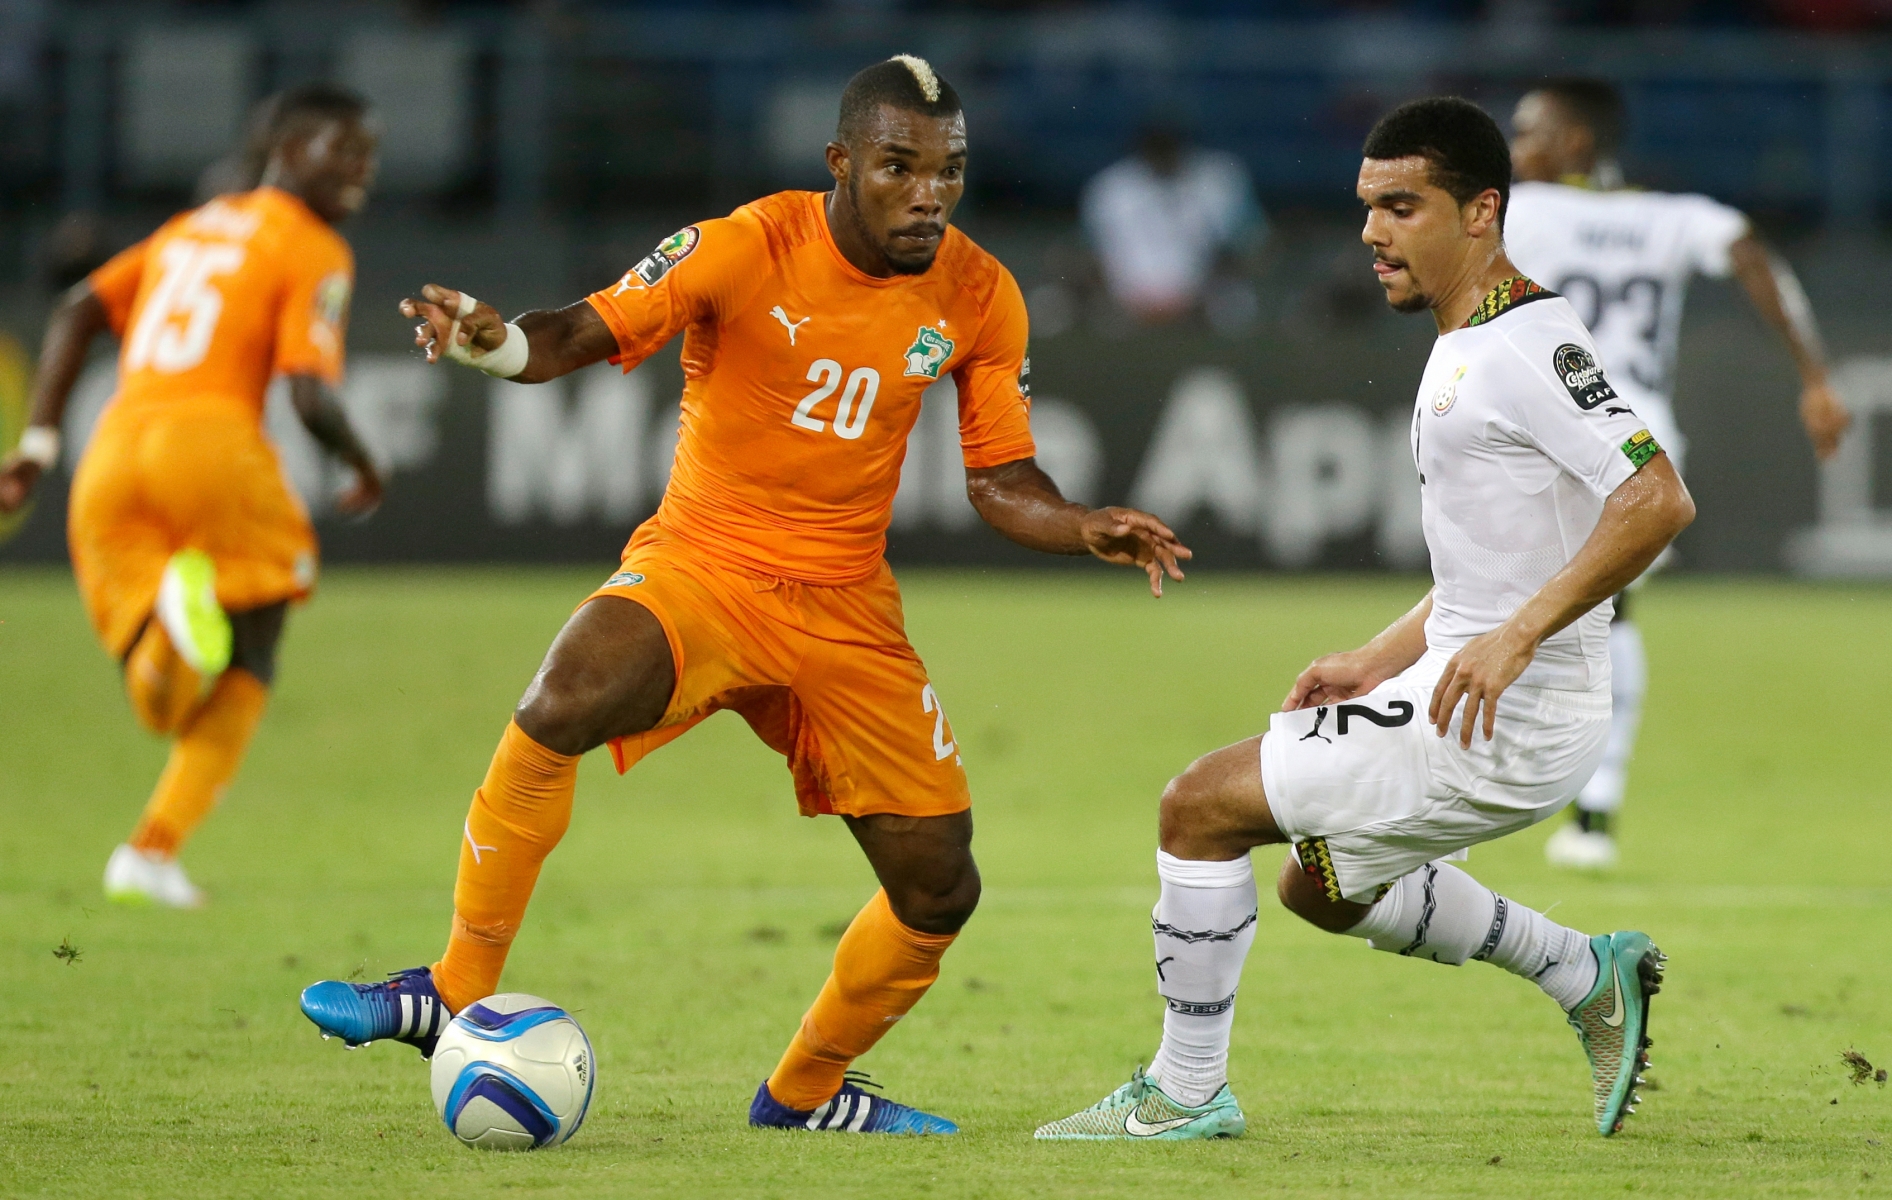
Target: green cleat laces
[1613, 1021]
[1139, 1110]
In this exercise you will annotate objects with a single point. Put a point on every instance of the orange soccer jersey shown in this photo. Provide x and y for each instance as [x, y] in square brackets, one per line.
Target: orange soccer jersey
[209, 307]
[803, 379]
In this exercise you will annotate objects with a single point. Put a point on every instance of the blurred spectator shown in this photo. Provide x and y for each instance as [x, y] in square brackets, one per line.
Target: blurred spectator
[1171, 225]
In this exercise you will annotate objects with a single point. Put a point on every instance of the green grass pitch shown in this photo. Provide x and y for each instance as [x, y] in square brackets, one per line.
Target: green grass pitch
[689, 916]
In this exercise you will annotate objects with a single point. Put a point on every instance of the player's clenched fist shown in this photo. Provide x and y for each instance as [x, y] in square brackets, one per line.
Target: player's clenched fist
[1824, 415]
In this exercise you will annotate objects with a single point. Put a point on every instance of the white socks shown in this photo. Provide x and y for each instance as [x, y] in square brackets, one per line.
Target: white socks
[1204, 923]
[1440, 913]
[1629, 679]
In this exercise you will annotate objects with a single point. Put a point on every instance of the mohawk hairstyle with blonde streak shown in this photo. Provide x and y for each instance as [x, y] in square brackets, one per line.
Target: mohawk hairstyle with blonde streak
[906, 82]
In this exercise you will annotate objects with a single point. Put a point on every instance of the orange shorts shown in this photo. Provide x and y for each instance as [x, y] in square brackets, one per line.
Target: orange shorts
[824, 675]
[157, 479]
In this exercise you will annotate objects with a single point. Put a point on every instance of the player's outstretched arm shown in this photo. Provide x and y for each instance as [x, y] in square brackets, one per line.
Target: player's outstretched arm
[80, 317]
[1336, 677]
[327, 422]
[1776, 292]
[1021, 502]
[1640, 518]
[553, 342]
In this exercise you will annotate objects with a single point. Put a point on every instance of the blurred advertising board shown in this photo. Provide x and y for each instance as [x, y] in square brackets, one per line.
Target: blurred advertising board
[1284, 450]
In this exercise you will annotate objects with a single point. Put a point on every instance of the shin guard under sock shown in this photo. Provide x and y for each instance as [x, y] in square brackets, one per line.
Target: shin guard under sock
[1204, 924]
[1442, 914]
[881, 969]
[203, 760]
[519, 813]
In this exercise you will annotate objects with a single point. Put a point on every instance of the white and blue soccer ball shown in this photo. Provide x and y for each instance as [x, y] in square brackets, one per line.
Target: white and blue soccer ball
[513, 1072]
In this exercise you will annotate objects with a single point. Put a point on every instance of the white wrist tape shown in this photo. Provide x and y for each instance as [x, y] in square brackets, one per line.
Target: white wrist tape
[503, 363]
[40, 445]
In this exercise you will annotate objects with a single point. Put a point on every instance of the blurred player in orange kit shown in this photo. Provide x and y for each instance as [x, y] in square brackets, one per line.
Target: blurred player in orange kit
[187, 543]
[812, 324]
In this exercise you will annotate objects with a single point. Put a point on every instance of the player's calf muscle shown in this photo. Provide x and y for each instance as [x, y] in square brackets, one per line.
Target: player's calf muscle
[1301, 895]
[608, 674]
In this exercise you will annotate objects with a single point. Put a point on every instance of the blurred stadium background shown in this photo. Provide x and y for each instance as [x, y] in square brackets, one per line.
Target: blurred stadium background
[533, 151]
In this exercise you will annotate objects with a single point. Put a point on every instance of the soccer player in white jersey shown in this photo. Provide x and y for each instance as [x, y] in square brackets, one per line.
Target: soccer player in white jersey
[1623, 259]
[1480, 712]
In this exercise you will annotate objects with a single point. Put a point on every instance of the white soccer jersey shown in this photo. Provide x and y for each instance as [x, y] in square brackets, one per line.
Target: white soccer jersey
[1519, 439]
[1623, 259]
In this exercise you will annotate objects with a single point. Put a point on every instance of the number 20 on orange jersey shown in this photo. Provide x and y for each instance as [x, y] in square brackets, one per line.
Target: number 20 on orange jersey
[850, 412]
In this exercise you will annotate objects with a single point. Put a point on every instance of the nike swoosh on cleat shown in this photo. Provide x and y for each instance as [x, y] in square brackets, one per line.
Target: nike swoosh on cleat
[1615, 1019]
[1137, 1128]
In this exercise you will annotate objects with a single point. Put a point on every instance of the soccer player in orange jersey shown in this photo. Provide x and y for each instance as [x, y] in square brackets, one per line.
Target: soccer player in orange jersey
[185, 538]
[812, 324]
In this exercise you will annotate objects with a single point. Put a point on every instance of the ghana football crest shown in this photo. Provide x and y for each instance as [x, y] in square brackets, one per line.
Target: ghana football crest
[928, 353]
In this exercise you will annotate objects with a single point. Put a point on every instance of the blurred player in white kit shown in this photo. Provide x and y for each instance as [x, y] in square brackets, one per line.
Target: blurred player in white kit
[1624, 258]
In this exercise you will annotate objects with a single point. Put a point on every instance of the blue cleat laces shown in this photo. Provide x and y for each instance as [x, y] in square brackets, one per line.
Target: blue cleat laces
[405, 1008]
[851, 1110]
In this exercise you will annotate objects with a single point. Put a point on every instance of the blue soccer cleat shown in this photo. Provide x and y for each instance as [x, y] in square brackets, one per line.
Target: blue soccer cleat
[405, 1008]
[852, 1110]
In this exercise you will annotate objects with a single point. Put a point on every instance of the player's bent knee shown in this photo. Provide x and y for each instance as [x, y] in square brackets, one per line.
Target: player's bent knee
[560, 721]
[1192, 811]
[938, 910]
[609, 674]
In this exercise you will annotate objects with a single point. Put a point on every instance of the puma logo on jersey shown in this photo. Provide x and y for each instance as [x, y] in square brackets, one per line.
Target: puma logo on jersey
[791, 326]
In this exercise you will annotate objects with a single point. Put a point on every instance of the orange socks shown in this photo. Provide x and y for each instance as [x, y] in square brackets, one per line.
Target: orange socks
[881, 969]
[204, 757]
[164, 689]
[518, 815]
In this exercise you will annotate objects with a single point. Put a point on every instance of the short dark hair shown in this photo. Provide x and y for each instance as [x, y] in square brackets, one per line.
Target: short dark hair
[1464, 146]
[904, 81]
[1596, 104]
[300, 109]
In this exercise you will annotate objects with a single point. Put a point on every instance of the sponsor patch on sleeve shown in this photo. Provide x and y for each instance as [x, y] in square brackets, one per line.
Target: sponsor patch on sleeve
[669, 252]
[1641, 448]
[1582, 376]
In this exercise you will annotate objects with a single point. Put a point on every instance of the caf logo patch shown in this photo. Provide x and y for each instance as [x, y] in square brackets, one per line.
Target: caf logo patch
[624, 579]
[1447, 396]
[669, 252]
[1582, 376]
[331, 299]
[928, 353]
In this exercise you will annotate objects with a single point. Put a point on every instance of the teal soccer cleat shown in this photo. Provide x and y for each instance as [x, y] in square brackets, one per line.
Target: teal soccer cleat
[1141, 1111]
[1613, 1021]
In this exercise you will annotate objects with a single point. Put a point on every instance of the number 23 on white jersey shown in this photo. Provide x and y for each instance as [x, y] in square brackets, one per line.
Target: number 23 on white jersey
[184, 293]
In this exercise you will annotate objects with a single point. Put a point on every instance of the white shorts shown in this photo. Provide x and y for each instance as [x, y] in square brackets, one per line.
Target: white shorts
[1367, 791]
